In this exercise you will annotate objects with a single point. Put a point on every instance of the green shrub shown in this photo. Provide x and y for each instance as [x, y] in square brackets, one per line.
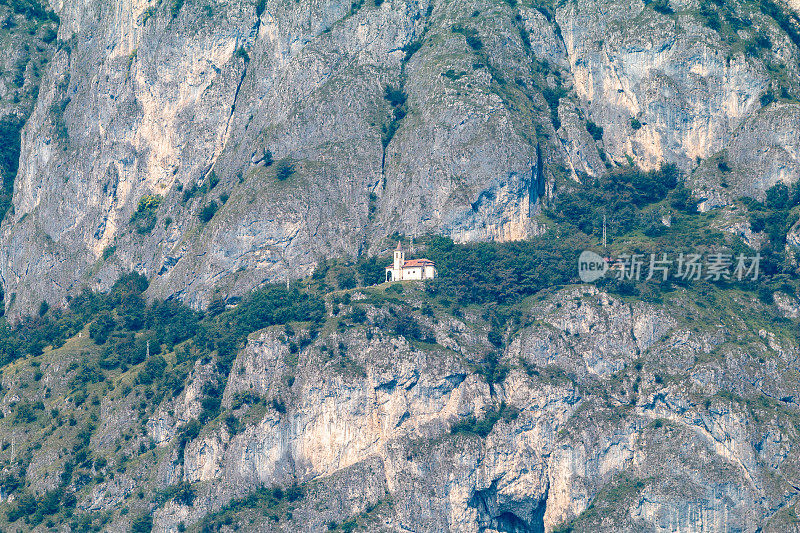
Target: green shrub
[142, 524]
[504, 273]
[149, 202]
[594, 130]
[358, 316]
[148, 13]
[355, 6]
[274, 304]
[403, 324]
[710, 16]
[278, 405]
[25, 506]
[284, 170]
[759, 42]
[553, 97]
[213, 180]
[153, 370]
[470, 35]
[182, 493]
[32, 9]
[144, 218]
[264, 499]
[87, 375]
[175, 8]
[786, 19]
[208, 211]
[395, 97]
[191, 192]
[661, 6]
[489, 272]
[187, 433]
[346, 278]
[777, 197]
[492, 370]
[388, 132]
[372, 270]
[10, 135]
[411, 48]
[102, 327]
[268, 160]
[397, 100]
[775, 217]
[395, 288]
[233, 424]
[350, 525]
[241, 53]
[482, 427]
[25, 413]
[270, 305]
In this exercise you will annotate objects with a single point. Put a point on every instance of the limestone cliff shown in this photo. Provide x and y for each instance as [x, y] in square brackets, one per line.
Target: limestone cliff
[594, 412]
[215, 146]
[453, 117]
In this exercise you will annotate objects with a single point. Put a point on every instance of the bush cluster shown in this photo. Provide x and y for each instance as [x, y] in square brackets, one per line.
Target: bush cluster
[144, 218]
[9, 160]
[621, 196]
[267, 499]
[775, 216]
[472, 425]
[470, 35]
[397, 100]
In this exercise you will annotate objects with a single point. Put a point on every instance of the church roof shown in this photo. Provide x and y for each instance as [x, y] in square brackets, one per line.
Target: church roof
[411, 263]
[417, 263]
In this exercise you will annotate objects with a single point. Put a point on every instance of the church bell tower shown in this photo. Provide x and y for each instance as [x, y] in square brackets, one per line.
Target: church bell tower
[399, 258]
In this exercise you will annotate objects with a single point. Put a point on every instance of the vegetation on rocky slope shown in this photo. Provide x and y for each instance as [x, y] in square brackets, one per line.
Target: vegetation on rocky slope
[66, 370]
[27, 35]
[86, 387]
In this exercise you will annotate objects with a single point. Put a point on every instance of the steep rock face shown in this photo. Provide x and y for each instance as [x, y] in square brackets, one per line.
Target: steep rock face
[155, 103]
[603, 423]
[27, 35]
[665, 87]
[488, 112]
[665, 71]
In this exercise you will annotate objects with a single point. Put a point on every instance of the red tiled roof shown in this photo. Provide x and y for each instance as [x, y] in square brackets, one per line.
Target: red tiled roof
[414, 263]
[417, 263]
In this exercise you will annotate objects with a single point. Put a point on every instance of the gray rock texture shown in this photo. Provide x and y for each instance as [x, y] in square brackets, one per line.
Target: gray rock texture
[183, 100]
[627, 417]
[600, 414]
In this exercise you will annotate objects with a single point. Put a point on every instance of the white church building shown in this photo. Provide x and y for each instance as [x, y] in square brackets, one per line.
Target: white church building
[411, 270]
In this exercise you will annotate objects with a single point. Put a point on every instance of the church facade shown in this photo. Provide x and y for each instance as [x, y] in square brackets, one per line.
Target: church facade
[411, 270]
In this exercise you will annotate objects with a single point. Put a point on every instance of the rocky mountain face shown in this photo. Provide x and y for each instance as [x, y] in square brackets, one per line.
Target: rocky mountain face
[28, 35]
[597, 414]
[643, 454]
[452, 117]
[216, 146]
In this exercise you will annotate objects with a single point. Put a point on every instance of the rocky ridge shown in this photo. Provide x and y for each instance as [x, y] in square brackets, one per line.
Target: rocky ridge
[597, 413]
[490, 115]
